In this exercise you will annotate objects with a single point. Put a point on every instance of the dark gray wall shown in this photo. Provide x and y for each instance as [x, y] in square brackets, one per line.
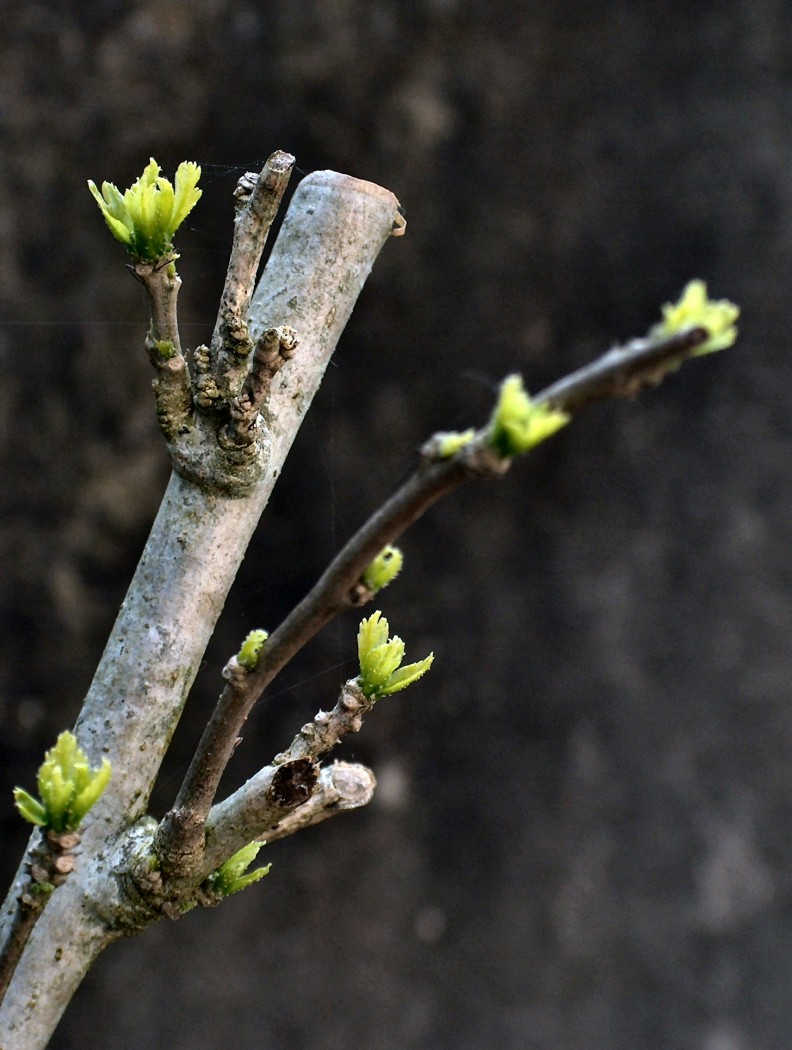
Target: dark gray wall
[583, 834]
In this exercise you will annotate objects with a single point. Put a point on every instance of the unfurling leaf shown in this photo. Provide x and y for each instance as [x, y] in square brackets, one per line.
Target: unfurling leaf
[30, 808]
[518, 423]
[230, 878]
[695, 310]
[68, 787]
[380, 659]
[146, 216]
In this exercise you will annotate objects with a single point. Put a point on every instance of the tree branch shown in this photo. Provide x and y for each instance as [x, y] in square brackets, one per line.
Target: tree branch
[332, 233]
[265, 800]
[258, 200]
[162, 285]
[618, 373]
[172, 384]
[341, 786]
[623, 371]
[273, 349]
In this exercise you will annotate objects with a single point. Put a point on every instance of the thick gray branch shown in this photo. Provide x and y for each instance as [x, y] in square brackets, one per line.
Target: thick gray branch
[331, 236]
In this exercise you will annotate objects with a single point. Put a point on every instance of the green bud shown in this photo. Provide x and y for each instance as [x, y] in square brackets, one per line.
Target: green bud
[384, 569]
[517, 423]
[146, 216]
[695, 310]
[68, 787]
[380, 659]
[230, 878]
[165, 349]
[449, 443]
[248, 655]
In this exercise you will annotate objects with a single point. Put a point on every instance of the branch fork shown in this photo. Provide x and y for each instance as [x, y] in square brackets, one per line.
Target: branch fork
[137, 871]
[619, 372]
[270, 805]
[291, 793]
[333, 232]
[209, 414]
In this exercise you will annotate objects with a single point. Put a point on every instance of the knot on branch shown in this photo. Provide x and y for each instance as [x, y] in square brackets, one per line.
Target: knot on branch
[214, 436]
[321, 735]
[206, 390]
[293, 783]
[233, 333]
[244, 188]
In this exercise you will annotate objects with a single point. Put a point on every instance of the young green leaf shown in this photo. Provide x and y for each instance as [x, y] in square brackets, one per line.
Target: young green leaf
[517, 423]
[86, 799]
[230, 878]
[695, 310]
[146, 216]
[30, 809]
[67, 785]
[373, 632]
[406, 675]
[380, 659]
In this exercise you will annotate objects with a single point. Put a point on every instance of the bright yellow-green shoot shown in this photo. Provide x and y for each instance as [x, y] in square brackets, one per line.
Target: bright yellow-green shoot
[453, 441]
[518, 423]
[230, 877]
[380, 658]
[67, 785]
[384, 569]
[146, 216]
[248, 655]
[695, 310]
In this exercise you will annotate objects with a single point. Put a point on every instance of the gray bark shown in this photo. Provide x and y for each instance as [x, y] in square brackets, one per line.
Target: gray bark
[333, 232]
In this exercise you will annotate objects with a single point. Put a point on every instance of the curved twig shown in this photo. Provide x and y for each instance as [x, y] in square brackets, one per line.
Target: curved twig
[618, 373]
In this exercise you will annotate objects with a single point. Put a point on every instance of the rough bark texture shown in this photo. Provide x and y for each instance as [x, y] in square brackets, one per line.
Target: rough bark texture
[580, 836]
[333, 232]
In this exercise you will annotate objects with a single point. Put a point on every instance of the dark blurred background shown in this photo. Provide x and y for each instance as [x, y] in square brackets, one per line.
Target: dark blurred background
[583, 834]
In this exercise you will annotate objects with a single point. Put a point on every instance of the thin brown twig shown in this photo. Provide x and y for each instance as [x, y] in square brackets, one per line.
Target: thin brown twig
[258, 200]
[618, 373]
[172, 384]
[623, 371]
[162, 285]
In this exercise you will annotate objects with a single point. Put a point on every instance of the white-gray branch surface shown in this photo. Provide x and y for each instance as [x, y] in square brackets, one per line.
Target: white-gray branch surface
[334, 229]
